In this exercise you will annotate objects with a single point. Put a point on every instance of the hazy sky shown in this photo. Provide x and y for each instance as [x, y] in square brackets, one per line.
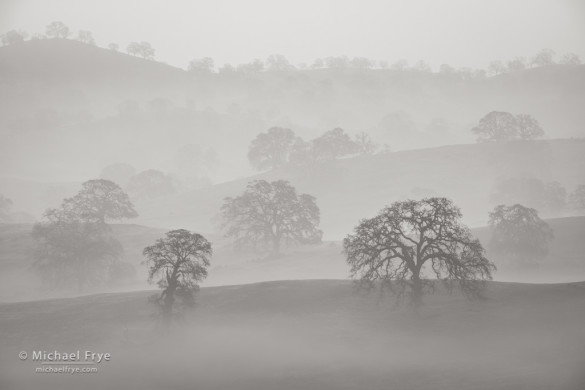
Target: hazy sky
[458, 32]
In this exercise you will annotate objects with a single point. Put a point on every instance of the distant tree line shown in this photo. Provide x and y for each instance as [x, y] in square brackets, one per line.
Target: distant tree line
[59, 30]
[279, 63]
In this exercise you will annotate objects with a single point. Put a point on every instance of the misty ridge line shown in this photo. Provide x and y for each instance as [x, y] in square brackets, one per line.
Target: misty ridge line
[279, 63]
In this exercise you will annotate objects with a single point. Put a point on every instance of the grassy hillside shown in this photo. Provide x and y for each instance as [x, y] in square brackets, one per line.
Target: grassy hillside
[309, 334]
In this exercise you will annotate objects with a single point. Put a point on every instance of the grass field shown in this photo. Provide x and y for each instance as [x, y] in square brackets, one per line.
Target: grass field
[309, 335]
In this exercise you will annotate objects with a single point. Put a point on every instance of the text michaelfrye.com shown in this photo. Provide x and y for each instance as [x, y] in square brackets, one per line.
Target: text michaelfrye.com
[58, 362]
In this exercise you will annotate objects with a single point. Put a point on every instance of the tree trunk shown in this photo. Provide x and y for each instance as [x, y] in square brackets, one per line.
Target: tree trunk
[417, 291]
[167, 308]
[276, 245]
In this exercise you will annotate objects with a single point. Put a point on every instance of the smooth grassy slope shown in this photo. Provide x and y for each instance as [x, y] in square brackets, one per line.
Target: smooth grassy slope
[309, 335]
[354, 188]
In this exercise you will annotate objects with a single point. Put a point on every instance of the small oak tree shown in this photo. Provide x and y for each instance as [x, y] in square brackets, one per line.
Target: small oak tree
[271, 150]
[410, 238]
[268, 214]
[333, 144]
[57, 30]
[517, 231]
[496, 126]
[499, 126]
[73, 252]
[101, 200]
[528, 127]
[177, 263]
[576, 199]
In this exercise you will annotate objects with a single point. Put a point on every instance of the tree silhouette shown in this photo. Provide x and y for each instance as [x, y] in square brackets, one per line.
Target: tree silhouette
[57, 30]
[528, 127]
[499, 126]
[517, 231]
[268, 214]
[496, 126]
[72, 251]
[271, 150]
[101, 200]
[333, 144]
[410, 240]
[177, 263]
[577, 198]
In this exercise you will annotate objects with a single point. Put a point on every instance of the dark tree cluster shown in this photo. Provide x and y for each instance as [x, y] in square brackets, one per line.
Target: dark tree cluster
[281, 146]
[500, 126]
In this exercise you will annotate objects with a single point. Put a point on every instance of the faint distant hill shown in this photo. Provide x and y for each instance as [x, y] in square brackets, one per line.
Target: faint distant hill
[348, 190]
[92, 106]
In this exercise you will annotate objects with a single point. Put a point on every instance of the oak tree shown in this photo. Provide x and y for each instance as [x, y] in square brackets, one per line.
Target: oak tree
[410, 241]
[177, 263]
[518, 232]
[268, 214]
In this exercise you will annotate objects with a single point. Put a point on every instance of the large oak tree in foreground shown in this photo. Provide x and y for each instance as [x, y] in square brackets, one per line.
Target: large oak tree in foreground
[177, 263]
[411, 240]
[268, 214]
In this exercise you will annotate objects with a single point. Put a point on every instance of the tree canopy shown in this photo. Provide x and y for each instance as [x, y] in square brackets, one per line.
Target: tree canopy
[411, 240]
[101, 200]
[270, 150]
[517, 231]
[57, 30]
[268, 214]
[498, 126]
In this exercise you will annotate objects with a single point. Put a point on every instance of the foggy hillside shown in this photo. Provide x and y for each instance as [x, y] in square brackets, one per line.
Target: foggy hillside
[92, 107]
[354, 188]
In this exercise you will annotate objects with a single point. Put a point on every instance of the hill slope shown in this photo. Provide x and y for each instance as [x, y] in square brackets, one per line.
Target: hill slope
[309, 334]
[351, 189]
[93, 107]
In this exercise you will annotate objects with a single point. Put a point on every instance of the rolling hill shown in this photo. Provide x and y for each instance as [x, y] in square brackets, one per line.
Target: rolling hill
[309, 334]
[91, 107]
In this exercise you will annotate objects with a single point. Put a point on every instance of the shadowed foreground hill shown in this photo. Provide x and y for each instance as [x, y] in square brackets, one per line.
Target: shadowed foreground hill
[309, 334]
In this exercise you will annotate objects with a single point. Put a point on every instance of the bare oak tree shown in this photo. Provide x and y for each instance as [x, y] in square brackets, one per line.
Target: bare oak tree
[407, 239]
[177, 263]
[267, 214]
